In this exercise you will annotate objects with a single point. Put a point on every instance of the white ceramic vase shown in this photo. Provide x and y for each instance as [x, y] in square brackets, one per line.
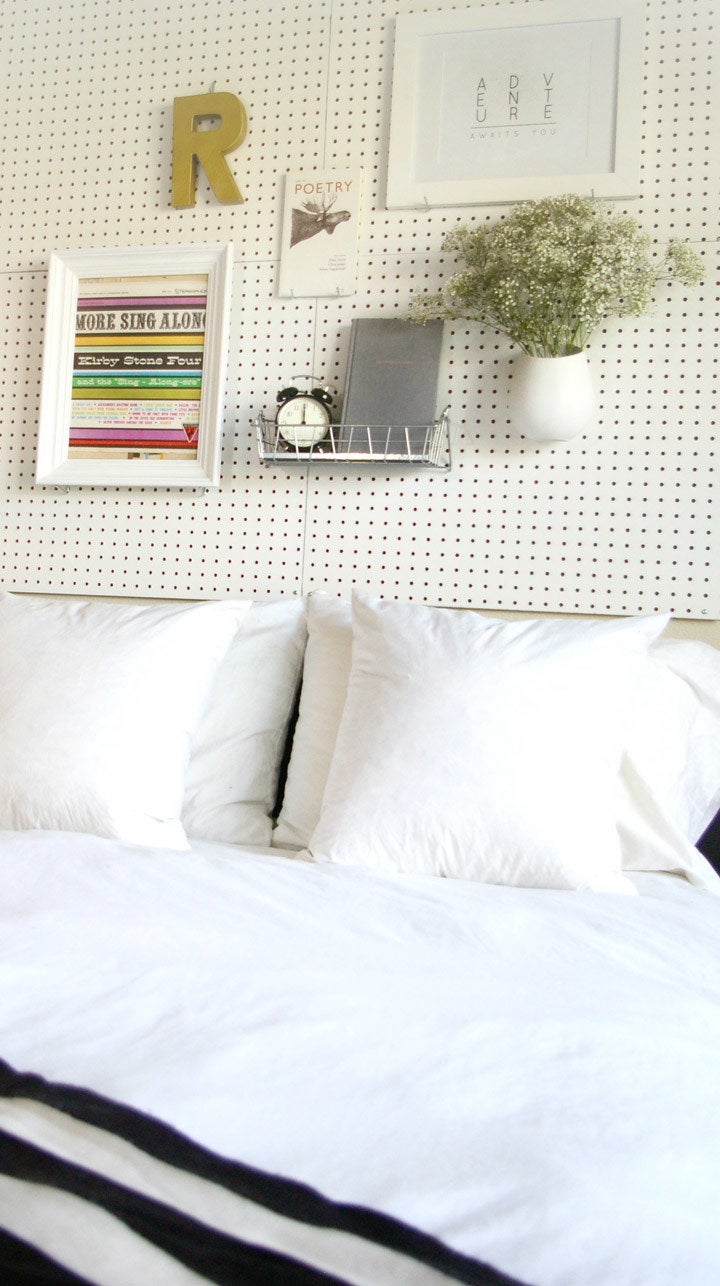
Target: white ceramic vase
[551, 398]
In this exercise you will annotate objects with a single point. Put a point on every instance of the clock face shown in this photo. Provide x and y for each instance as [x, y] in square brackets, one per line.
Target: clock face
[302, 421]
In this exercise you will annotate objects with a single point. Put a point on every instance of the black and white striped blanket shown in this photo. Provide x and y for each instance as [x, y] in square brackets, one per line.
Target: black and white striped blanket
[95, 1192]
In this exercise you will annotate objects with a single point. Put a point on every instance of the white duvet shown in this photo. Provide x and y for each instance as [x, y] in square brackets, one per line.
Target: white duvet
[531, 1076]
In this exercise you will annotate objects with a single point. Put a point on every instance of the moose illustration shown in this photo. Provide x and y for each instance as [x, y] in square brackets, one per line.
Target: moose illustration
[315, 217]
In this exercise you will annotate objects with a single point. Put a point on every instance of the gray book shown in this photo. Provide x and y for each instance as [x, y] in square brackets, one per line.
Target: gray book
[392, 379]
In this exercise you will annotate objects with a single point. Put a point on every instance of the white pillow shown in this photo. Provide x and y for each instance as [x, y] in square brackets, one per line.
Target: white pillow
[670, 779]
[482, 749]
[324, 686]
[98, 702]
[232, 777]
[669, 782]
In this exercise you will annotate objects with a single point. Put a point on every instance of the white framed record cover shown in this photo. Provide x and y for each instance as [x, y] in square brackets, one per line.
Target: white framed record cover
[512, 102]
[320, 232]
[134, 360]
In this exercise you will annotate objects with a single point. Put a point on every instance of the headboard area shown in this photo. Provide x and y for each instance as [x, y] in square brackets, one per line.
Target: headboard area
[622, 519]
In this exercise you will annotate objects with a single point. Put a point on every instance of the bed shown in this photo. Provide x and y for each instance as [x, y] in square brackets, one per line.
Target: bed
[356, 942]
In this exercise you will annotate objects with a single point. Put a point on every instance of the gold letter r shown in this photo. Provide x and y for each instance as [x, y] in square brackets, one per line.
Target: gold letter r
[209, 146]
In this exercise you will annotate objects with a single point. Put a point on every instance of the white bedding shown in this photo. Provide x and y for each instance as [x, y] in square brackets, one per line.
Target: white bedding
[529, 1075]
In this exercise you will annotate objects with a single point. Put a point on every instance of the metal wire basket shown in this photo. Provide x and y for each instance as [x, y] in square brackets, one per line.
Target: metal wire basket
[423, 445]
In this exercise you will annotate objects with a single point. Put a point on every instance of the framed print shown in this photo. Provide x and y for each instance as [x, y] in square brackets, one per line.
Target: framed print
[516, 101]
[134, 362]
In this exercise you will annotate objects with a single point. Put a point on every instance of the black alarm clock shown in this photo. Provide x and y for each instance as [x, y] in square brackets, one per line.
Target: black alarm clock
[303, 415]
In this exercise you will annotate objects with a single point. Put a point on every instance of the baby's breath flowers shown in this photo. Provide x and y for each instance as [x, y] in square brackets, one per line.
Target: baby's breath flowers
[550, 272]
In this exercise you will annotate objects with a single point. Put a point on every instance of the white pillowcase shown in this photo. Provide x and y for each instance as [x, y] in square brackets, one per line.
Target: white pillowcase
[480, 749]
[669, 780]
[232, 777]
[98, 702]
[324, 687]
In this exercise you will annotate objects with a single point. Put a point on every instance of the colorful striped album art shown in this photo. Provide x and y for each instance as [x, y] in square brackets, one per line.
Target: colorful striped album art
[138, 367]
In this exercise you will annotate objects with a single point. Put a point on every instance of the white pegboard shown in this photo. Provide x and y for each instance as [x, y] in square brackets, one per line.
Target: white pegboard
[624, 519]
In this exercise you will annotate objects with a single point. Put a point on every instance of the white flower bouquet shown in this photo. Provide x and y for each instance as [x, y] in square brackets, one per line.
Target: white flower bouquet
[552, 270]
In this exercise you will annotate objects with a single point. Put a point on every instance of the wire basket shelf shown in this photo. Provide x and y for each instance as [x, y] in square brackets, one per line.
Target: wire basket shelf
[420, 445]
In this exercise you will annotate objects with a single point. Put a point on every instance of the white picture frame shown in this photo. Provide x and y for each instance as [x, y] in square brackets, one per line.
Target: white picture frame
[134, 360]
[476, 93]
